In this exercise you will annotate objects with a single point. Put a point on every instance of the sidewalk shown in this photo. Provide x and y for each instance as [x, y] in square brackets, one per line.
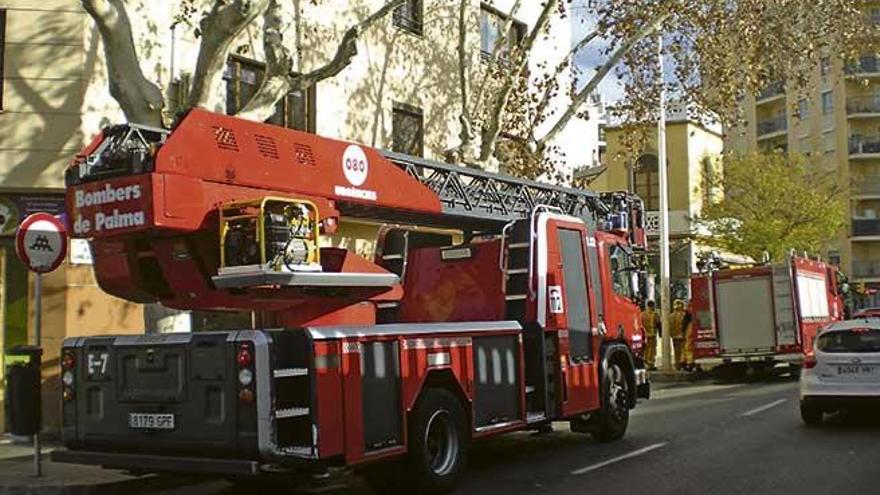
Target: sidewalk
[16, 469]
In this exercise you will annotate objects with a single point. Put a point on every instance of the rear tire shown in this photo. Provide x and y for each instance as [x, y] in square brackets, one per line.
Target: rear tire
[613, 419]
[811, 415]
[438, 442]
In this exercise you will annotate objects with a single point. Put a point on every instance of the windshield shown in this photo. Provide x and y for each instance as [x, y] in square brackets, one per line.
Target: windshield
[856, 340]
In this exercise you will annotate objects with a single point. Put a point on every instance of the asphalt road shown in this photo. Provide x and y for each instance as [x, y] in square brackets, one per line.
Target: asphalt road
[697, 439]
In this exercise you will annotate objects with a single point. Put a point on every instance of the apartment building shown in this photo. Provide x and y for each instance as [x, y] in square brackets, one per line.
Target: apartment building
[400, 92]
[837, 121]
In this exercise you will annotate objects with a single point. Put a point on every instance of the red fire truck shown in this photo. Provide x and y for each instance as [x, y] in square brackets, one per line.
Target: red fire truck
[760, 316]
[492, 304]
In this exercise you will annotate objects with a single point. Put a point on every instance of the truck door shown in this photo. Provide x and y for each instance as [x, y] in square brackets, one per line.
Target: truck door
[567, 306]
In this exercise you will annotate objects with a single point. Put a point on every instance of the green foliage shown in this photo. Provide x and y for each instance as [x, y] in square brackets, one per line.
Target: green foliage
[772, 203]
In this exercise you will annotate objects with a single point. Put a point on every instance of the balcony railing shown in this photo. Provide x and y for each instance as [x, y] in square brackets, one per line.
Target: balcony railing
[867, 185]
[776, 124]
[859, 145]
[863, 104]
[865, 227]
[865, 65]
[771, 90]
[866, 269]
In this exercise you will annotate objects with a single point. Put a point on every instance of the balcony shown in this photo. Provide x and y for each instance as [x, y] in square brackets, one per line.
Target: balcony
[772, 92]
[773, 127]
[866, 227]
[864, 147]
[859, 107]
[865, 67]
[866, 269]
[867, 187]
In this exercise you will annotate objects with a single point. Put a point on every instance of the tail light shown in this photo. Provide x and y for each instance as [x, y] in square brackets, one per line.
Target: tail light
[244, 358]
[68, 375]
[810, 361]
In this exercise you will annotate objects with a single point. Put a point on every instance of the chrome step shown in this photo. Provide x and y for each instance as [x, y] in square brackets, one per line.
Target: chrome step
[518, 271]
[518, 245]
[515, 297]
[291, 412]
[291, 372]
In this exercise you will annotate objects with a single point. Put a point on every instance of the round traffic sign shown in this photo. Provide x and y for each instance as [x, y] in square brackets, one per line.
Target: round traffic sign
[41, 242]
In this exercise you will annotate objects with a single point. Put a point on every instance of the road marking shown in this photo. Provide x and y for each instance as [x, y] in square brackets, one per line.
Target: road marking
[623, 457]
[764, 407]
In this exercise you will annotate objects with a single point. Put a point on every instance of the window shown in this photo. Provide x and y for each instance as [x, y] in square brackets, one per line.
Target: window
[409, 16]
[647, 181]
[2, 50]
[622, 271]
[407, 130]
[875, 17]
[827, 103]
[243, 78]
[803, 109]
[492, 24]
[825, 65]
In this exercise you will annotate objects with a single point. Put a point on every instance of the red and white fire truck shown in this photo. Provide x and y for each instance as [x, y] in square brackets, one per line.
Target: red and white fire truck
[492, 304]
[763, 315]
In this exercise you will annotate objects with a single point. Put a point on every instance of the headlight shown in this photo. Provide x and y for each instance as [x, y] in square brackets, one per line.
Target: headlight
[245, 377]
[67, 378]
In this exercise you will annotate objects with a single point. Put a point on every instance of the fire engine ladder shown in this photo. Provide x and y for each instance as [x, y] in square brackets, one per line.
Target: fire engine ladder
[783, 305]
[484, 196]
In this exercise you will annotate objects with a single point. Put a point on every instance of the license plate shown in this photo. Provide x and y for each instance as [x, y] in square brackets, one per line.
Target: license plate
[147, 421]
[855, 369]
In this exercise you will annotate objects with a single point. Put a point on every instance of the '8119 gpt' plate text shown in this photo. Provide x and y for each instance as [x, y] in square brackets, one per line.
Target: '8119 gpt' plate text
[147, 421]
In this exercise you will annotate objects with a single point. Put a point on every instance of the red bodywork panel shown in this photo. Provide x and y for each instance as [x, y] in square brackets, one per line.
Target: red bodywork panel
[460, 289]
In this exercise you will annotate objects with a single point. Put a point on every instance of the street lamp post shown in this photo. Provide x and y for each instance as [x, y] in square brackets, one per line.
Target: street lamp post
[665, 306]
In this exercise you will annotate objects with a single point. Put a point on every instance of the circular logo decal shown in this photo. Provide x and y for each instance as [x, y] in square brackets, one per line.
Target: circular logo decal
[355, 165]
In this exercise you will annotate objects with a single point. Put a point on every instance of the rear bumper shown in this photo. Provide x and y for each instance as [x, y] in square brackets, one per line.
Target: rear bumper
[835, 402]
[158, 464]
[751, 358]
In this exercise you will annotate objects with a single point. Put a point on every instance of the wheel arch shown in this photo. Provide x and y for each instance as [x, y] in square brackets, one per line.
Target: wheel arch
[620, 353]
[444, 379]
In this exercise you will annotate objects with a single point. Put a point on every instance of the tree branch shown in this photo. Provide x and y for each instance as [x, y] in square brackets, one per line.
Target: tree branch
[493, 125]
[496, 49]
[219, 28]
[279, 83]
[140, 100]
[581, 97]
[548, 91]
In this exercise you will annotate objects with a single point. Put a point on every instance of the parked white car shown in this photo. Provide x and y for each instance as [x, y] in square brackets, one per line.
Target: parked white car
[843, 371]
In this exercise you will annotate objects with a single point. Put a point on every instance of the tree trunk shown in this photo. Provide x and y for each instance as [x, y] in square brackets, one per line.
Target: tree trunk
[140, 100]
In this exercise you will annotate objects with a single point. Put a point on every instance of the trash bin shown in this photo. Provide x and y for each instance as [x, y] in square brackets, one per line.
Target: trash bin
[23, 411]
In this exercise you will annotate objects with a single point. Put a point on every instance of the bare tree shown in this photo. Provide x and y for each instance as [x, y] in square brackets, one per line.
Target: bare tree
[220, 25]
[718, 51]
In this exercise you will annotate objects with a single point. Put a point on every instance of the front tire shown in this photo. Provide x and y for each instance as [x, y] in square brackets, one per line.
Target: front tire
[613, 418]
[438, 442]
[810, 414]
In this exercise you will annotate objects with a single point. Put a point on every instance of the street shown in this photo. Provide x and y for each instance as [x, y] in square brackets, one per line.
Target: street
[705, 438]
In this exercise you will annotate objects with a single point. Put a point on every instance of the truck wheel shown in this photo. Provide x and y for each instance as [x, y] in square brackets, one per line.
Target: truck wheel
[810, 414]
[613, 419]
[438, 442]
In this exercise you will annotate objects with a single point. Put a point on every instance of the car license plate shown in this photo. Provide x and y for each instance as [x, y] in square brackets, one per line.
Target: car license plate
[855, 369]
[147, 421]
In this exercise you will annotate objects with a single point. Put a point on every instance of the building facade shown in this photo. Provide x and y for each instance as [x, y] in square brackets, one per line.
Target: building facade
[837, 121]
[400, 92]
[693, 149]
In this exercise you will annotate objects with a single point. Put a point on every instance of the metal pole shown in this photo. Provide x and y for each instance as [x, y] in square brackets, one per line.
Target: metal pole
[665, 303]
[38, 325]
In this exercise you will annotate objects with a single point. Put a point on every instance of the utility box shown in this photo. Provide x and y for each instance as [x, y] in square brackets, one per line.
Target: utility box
[23, 384]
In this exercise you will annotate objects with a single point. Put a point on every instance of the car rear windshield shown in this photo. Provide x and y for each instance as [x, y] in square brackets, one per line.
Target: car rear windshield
[860, 340]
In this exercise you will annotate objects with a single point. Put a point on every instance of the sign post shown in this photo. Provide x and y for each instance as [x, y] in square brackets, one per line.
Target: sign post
[41, 244]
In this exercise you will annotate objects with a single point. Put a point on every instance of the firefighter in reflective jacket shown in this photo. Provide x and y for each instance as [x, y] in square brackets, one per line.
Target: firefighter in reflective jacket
[651, 323]
[681, 320]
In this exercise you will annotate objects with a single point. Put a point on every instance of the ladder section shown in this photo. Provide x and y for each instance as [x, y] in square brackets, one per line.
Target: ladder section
[517, 270]
[476, 194]
[292, 385]
[784, 307]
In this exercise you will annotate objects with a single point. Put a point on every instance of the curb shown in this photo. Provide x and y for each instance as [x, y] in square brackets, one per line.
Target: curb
[145, 484]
